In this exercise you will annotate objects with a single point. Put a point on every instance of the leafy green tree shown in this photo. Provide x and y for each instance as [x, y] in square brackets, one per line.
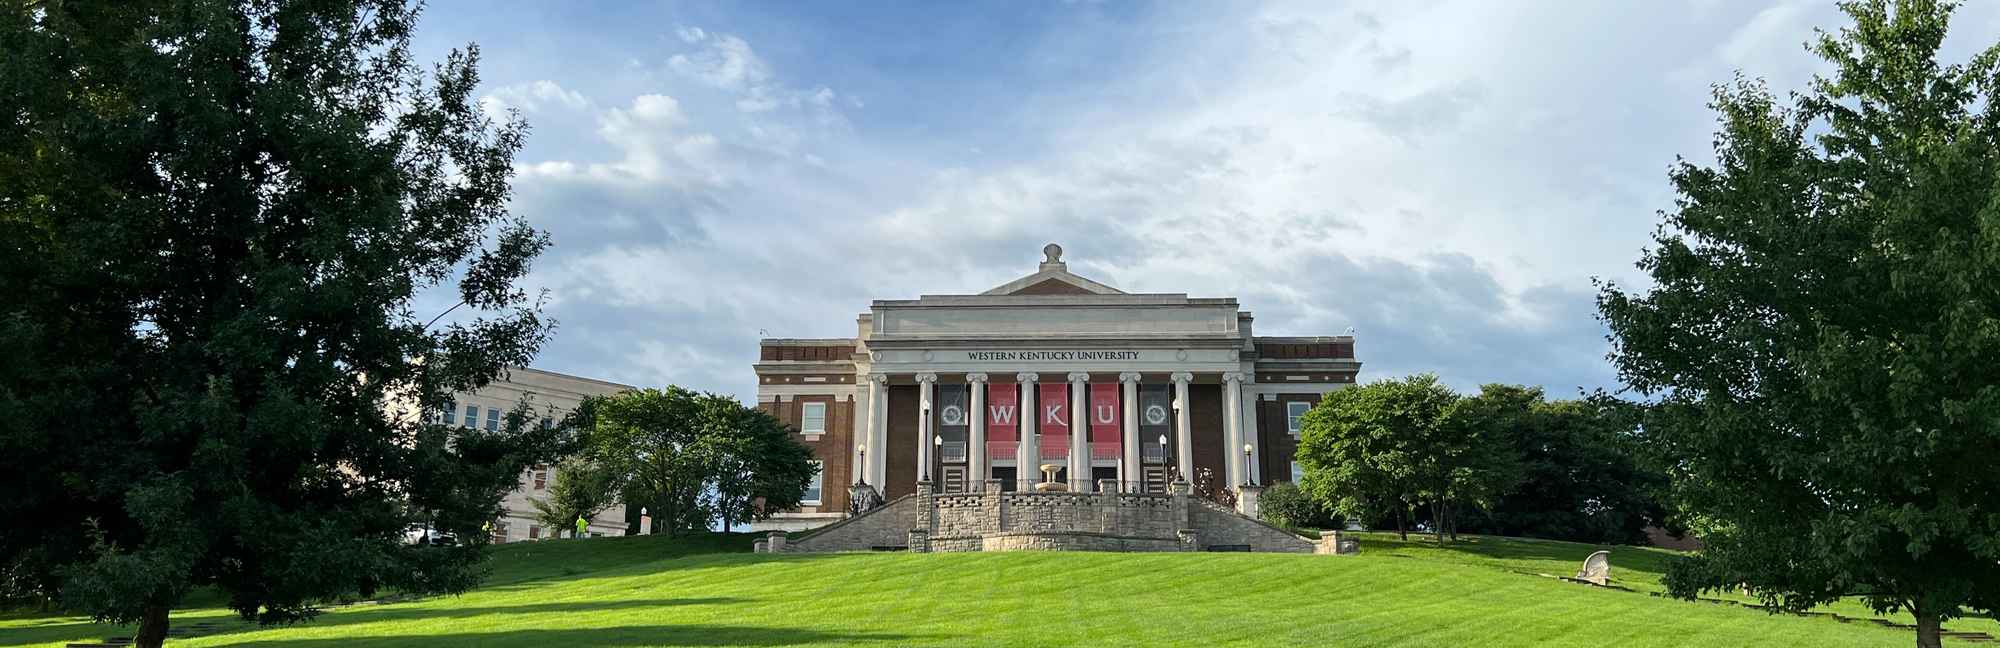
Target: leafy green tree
[695, 459]
[1371, 450]
[760, 467]
[582, 488]
[1581, 477]
[217, 220]
[1818, 346]
[1477, 456]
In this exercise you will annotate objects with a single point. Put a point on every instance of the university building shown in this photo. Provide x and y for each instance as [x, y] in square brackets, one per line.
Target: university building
[1048, 379]
[550, 396]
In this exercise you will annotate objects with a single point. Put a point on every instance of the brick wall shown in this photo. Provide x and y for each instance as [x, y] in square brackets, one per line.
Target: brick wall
[1205, 426]
[833, 448]
[1274, 440]
[901, 436]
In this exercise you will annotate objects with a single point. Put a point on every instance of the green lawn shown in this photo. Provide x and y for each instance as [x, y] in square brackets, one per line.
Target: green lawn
[653, 591]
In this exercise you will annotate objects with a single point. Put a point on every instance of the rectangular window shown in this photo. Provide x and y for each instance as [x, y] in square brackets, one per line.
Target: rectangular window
[1298, 474]
[541, 479]
[1295, 413]
[472, 416]
[534, 532]
[450, 413]
[812, 420]
[812, 489]
[492, 420]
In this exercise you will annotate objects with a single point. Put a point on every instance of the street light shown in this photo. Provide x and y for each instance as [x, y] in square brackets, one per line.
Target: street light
[1167, 458]
[861, 476]
[937, 455]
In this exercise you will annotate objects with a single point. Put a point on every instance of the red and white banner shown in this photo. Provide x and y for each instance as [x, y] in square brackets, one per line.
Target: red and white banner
[1106, 420]
[1105, 416]
[1003, 412]
[1052, 414]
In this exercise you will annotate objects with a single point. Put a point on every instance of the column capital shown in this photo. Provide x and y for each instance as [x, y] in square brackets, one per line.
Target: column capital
[1232, 377]
[1079, 376]
[1026, 377]
[1183, 377]
[1128, 377]
[878, 378]
[927, 377]
[975, 378]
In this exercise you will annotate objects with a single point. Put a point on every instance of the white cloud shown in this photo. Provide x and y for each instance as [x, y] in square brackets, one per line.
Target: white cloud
[1445, 177]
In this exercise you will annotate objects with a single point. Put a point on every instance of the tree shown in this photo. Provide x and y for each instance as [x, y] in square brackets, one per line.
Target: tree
[1479, 457]
[217, 223]
[761, 468]
[1371, 450]
[582, 489]
[1580, 477]
[1816, 353]
[695, 459]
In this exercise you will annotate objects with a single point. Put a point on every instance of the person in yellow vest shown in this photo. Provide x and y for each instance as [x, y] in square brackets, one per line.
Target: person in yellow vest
[581, 526]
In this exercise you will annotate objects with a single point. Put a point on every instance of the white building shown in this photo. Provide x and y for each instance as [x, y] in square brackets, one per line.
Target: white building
[551, 396]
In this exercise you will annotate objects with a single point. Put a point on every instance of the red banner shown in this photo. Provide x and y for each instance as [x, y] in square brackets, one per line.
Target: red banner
[1105, 414]
[1053, 416]
[1003, 412]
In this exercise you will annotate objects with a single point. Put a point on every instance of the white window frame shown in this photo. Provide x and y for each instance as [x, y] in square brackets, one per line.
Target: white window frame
[806, 417]
[818, 485]
[492, 419]
[1298, 473]
[1295, 421]
[472, 416]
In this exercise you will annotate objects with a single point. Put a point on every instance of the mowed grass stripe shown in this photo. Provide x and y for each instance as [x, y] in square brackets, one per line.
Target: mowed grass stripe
[658, 591]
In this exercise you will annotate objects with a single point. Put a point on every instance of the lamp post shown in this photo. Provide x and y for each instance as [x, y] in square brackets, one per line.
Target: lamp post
[937, 456]
[1166, 459]
[861, 475]
[1248, 479]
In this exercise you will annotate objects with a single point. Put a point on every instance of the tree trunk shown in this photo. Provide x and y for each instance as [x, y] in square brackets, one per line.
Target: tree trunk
[1402, 530]
[1929, 629]
[152, 627]
[1437, 521]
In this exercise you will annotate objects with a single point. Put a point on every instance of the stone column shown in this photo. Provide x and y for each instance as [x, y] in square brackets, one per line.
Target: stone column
[1183, 435]
[1252, 434]
[878, 434]
[1131, 472]
[1232, 429]
[925, 382]
[1079, 434]
[1028, 454]
[975, 452]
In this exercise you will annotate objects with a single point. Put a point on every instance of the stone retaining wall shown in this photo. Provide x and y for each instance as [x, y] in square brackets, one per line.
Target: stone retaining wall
[994, 520]
[887, 526]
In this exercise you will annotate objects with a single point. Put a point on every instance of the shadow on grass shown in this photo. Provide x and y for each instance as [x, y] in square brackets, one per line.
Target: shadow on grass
[230, 624]
[1641, 559]
[652, 635]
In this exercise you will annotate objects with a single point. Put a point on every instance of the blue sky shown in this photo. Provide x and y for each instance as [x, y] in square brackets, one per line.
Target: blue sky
[1444, 177]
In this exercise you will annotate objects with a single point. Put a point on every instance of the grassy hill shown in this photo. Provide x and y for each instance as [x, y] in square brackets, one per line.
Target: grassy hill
[653, 591]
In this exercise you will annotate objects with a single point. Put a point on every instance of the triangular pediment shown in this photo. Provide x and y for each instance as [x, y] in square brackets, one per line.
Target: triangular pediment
[1053, 278]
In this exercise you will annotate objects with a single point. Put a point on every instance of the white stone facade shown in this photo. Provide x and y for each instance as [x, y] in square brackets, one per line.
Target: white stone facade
[1049, 339]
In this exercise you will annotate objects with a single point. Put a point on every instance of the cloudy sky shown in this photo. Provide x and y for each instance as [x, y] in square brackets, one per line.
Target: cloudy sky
[1443, 177]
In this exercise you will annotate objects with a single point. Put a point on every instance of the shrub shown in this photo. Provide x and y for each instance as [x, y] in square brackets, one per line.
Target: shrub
[1285, 505]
